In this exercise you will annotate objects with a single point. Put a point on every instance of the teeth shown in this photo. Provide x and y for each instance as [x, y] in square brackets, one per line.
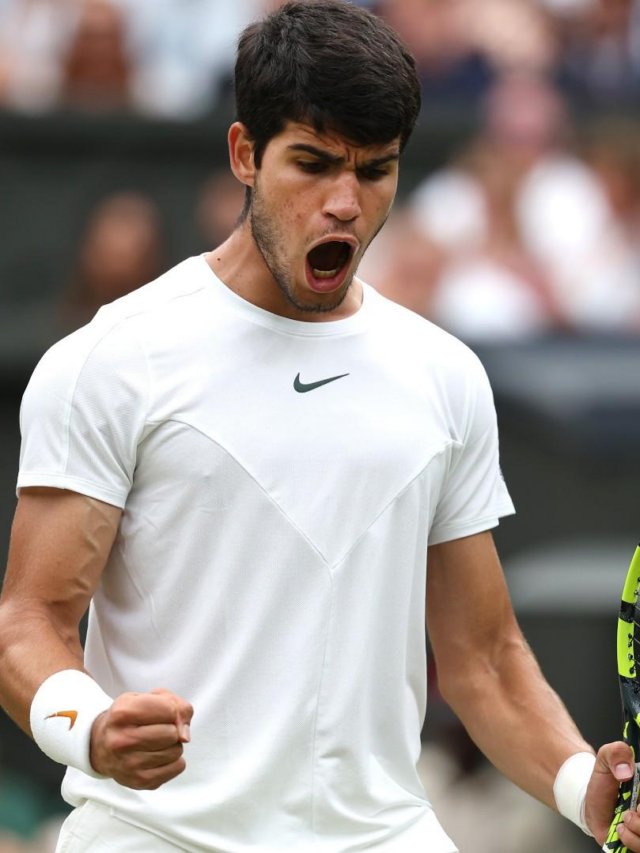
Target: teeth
[326, 273]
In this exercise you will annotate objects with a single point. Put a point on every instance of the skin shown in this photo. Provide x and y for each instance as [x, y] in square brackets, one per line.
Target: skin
[489, 676]
[300, 197]
[60, 543]
[61, 540]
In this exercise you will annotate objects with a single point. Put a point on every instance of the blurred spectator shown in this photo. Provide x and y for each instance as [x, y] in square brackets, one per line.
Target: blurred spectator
[173, 58]
[96, 70]
[219, 207]
[121, 251]
[514, 35]
[613, 151]
[461, 46]
[487, 800]
[5, 75]
[160, 57]
[601, 53]
[33, 37]
[404, 264]
[566, 8]
[497, 291]
[437, 32]
[520, 217]
[610, 282]
[185, 51]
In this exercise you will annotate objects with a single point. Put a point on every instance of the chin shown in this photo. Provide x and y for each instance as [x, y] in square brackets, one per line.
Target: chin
[320, 303]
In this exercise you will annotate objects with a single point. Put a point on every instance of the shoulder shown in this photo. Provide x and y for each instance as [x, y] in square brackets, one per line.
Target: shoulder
[176, 290]
[113, 336]
[442, 369]
[420, 340]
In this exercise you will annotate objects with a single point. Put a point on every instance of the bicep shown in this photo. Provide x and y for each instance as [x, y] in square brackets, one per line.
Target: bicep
[468, 610]
[60, 542]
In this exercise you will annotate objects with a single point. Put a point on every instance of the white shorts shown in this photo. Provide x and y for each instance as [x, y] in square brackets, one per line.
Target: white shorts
[92, 827]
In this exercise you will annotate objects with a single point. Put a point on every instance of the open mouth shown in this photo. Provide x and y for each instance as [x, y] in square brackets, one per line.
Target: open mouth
[328, 259]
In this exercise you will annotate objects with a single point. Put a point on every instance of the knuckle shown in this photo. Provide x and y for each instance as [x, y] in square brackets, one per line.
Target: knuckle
[116, 741]
[119, 713]
[115, 716]
[166, 700]
[131, 763]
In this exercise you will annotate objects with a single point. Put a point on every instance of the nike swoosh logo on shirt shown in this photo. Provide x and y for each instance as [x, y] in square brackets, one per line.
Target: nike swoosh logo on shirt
[301, 388]
[72, 716]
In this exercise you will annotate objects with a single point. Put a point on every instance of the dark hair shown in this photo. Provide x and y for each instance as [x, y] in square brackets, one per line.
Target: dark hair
[329, 63]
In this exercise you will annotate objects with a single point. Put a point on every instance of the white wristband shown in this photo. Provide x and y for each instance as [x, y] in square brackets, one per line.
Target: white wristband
[62, 714]
[570, 788]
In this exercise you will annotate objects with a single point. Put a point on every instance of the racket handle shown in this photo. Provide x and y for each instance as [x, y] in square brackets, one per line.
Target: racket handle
[627, 800]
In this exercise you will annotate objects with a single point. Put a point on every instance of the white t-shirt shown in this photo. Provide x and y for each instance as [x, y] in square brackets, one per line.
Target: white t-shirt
[270, 565]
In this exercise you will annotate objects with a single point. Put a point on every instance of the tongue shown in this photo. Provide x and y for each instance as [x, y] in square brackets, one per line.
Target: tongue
[328, 256]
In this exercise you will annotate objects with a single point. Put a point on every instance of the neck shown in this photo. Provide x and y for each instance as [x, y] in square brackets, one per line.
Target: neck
[239, 264]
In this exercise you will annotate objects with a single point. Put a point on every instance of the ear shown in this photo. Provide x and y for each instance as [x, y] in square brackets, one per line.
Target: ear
[241, 154]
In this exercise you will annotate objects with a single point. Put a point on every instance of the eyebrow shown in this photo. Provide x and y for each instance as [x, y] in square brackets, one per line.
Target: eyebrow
[338, 161]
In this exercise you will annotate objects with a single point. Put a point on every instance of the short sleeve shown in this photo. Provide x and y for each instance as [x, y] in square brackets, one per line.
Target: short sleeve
[83, 414]
[474, 496]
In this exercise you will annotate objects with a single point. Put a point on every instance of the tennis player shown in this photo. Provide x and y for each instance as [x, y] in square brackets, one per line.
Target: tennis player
[246, 467]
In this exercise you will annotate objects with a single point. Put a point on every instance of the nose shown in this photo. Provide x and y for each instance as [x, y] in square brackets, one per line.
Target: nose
[343, 198]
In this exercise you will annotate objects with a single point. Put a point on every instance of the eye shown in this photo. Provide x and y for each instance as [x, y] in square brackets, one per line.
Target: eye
[373, 174]
[312, 167]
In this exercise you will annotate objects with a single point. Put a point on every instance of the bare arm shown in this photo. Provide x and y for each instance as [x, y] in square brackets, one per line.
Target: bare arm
[487, 672]
[59, 547]
[60, 543]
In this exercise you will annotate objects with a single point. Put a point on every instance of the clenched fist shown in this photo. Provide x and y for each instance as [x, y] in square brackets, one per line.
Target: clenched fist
[139, 740]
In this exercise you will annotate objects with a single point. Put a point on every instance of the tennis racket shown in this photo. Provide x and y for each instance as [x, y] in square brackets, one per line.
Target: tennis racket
[629, 676]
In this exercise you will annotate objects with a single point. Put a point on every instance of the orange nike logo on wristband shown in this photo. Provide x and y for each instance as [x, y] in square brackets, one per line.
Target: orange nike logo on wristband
[71, 715]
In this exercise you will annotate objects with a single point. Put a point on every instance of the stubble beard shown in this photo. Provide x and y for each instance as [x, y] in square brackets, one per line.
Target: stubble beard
[272, 248]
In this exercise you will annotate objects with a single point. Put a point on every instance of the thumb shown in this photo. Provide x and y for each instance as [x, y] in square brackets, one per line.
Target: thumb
[614, 764]
[615, 759]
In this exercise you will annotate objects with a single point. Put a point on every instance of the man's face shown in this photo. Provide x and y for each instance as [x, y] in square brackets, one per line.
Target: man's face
[318, 201]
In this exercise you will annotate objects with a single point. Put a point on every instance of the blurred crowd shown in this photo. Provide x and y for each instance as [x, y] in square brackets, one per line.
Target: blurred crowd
[530, 229]
[174, 58]
[524, 232]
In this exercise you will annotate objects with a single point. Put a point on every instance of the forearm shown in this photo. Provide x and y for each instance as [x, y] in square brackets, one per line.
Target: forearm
[516, 719]
[59, 546]
[31, 649]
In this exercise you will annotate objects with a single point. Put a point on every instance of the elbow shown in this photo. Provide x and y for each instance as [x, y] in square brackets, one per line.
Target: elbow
[24, 622]
[463, 687]
[478, 673]
[9, 622]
